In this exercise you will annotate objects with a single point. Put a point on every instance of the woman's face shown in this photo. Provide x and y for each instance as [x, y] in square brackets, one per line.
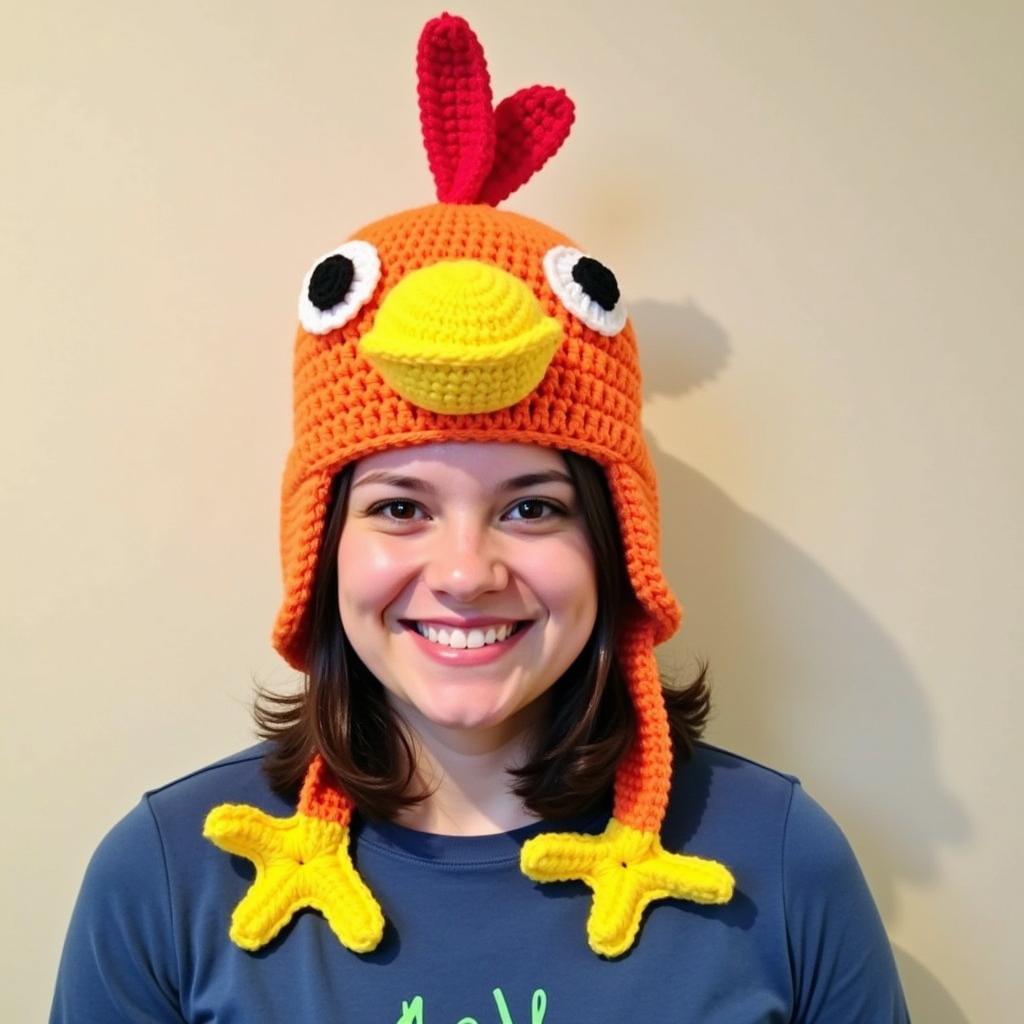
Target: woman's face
[461, 539]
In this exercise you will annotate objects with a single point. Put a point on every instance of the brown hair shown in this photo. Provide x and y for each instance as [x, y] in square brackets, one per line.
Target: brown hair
[342, 712]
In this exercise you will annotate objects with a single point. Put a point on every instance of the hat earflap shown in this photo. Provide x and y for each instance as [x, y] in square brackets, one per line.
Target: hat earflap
[626, 866]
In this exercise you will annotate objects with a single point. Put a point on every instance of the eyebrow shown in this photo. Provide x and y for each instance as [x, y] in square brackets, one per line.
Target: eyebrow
[412, 483]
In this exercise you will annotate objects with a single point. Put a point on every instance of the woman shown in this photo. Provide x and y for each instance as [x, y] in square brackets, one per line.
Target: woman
[483, 775]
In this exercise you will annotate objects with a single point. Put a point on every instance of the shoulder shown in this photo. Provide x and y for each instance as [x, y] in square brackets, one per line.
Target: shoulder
[180, 806]
[165, 825]
[737, 807]
[799, 883]
[764, 822]
[717, 782]
[240, 769]
[813, 844]
[232, 765]
[739, 768]
[139, 892]
[722, 784]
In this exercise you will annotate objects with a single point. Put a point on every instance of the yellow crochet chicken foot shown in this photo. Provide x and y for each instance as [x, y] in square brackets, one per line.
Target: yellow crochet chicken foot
[626, 868]
[301, 861]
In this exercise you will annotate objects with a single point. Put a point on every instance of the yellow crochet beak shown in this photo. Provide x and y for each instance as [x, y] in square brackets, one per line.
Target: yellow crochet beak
[461, 336]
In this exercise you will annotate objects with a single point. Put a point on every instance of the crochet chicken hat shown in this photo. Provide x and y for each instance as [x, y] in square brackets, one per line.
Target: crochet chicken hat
[461, 322]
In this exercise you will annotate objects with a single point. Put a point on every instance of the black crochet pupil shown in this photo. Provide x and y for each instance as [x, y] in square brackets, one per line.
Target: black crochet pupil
[331, 281]
[597, 281]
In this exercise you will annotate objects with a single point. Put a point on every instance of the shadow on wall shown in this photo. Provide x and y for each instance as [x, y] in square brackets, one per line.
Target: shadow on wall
[804, 677]
[930, 1001]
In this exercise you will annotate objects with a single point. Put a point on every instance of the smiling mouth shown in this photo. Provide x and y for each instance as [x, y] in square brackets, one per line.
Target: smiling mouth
[465, 639]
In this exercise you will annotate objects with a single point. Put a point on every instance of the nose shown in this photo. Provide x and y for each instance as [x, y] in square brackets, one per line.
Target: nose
[466, 562]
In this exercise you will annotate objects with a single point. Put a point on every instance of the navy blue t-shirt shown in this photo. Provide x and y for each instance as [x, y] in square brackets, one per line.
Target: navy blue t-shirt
[469, 938]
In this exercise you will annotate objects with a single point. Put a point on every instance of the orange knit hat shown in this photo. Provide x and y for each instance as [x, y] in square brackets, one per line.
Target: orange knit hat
[460, 322]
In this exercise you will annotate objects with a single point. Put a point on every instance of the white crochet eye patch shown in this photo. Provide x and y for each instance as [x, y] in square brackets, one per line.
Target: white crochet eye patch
[338, 285]
[587, 289]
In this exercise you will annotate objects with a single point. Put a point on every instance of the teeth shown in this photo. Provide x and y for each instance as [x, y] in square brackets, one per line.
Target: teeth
[459, 639]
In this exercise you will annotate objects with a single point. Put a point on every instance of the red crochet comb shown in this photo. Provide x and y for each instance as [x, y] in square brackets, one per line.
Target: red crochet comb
[478, 154]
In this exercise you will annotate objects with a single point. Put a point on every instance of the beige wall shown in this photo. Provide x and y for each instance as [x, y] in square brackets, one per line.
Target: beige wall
[815, 209]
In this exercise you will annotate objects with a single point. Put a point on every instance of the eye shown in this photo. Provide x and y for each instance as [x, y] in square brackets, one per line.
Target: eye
[338, 286]
[587, 288]
[539, 503]
[379, 508]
